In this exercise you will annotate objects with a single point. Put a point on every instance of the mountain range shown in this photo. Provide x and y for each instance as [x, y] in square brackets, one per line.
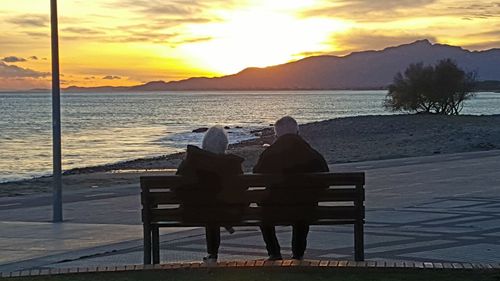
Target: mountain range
[359, 70]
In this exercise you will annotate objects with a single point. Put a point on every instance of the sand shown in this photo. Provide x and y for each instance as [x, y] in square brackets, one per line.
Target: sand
[342, 140]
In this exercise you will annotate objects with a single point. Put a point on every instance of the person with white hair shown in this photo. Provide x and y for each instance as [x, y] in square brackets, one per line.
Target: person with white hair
[289, 154]
[209, 165]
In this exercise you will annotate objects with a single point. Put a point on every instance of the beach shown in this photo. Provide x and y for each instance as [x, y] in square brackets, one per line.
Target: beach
[340, 140]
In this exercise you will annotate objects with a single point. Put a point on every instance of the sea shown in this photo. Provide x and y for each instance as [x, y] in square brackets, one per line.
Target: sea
[104, 128]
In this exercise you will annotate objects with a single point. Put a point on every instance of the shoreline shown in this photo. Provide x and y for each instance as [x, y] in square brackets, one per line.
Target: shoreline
[340, 140]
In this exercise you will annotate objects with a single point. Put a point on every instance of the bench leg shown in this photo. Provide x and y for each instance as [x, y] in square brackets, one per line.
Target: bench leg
[156, 244]
[147, 244]
[359, 246]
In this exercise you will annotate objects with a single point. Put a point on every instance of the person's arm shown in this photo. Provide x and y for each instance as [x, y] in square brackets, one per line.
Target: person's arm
[259, 167]
[324, 165]
[182, 168]
[320, 164]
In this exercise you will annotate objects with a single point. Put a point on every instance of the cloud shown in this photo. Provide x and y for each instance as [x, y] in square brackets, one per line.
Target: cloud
[37, 34]
[174, 7]
[489, 44]
[33, 58]
[13, 59]
[82, 30]
[366, 10]
[476, 10]
[30, 20]
[390, 10]
[12, 71]
[111, 77]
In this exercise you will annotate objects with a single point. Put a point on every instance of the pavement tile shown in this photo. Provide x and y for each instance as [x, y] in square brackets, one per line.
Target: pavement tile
[196, 265]
[438, 265]
[334, 263]
[120, 268]
[175, 266]
[268, 263]
[419, 264]
[323, 263]
[342, 264]
[467, 265]
[35, 272]
[428, 265]
[287, 262]
[315, 263]
[250, 263]
[371, 264]
[305, 262]
[457, 265]
[409, 264]
[495, 265]
[259, 263]
[447, 265]
[278, 263]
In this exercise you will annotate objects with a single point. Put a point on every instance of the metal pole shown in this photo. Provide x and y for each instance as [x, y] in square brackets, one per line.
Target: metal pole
[57, 215]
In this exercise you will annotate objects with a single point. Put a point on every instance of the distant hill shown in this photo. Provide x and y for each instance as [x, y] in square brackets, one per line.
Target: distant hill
[360, 70]
[488, 86]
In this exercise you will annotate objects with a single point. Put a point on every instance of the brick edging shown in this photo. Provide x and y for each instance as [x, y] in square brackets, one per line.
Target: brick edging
[259, 263]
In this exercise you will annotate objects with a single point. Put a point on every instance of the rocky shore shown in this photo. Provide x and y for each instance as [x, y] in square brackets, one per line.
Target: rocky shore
[340, 140]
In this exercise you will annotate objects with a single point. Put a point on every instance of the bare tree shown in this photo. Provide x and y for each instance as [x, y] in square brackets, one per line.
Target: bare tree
[439, 89]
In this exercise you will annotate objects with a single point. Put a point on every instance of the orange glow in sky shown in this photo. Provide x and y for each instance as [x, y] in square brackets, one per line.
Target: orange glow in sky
[128, 42]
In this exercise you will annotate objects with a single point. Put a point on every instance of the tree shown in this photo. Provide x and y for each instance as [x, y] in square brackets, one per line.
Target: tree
[439, 89]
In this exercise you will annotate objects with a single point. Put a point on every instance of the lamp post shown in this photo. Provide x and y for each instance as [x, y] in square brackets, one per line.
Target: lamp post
[57, 215]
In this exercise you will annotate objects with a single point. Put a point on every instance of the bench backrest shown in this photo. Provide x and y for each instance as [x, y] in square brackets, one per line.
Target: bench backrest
[339, 197]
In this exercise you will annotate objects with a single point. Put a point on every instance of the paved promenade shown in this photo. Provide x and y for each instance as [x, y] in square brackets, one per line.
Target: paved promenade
[443, 208]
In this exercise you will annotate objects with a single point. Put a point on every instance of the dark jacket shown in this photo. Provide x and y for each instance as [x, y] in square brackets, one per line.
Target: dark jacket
[209, 173]
[289, 154]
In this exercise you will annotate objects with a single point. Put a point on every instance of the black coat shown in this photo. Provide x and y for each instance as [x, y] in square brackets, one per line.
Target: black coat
[290, 154]
[210, 173]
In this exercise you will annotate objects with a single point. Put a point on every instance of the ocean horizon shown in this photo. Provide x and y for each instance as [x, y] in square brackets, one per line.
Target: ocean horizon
[105, 128]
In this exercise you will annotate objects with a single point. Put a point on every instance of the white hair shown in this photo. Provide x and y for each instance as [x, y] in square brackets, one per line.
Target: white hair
[215, 140]
[286, 125]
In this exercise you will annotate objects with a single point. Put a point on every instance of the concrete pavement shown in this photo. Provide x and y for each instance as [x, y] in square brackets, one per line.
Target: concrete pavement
[434, 208]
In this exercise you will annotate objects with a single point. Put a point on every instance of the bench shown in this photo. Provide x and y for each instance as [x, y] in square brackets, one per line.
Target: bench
[341, 203]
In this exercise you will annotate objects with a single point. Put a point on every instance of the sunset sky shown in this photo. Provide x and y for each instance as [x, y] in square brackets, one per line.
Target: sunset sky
[128, 42]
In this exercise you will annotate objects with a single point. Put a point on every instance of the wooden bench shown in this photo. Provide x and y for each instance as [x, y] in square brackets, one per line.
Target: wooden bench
[341, 203]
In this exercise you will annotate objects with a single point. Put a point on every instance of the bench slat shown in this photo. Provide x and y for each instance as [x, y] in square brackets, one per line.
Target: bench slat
[259, 196]
[279, 213]
[261, 180]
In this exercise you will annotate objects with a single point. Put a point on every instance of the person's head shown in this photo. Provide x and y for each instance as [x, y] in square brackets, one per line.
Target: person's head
[286, 125]
[215, 140]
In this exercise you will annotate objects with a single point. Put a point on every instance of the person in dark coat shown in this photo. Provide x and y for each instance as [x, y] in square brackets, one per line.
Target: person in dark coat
[287, 155]
[209, 165]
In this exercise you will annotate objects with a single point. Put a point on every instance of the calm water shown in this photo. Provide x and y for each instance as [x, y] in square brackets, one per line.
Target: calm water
[105, 128]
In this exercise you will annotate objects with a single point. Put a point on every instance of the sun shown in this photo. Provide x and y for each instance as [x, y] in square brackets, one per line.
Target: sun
[258, 38]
